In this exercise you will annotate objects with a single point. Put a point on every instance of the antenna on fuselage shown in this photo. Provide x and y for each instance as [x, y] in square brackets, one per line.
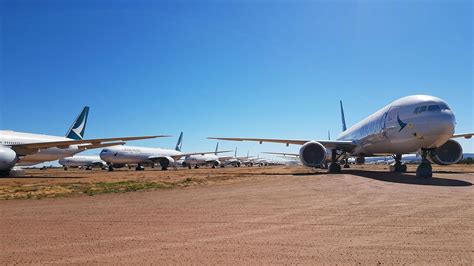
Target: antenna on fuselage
[344, 128]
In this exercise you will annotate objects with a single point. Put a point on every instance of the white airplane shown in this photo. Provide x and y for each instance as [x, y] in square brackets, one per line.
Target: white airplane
[201, 159]
[20, 148]
[233, 160]
[119, 156]
[83, 161]
[418, 123]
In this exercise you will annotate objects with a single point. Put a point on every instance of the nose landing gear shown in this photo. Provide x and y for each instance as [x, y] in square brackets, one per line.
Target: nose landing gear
[424, 170]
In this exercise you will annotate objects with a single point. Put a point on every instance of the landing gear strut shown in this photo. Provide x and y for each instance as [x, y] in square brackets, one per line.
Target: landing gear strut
[139, 168]
[334, 167]
[111, 168]
[398, 167]
[424, 170]
[346, 163]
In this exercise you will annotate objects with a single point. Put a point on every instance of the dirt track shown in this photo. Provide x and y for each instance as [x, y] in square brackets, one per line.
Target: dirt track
[269, 215]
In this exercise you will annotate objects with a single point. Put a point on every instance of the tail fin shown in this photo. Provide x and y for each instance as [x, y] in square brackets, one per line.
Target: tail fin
[79, 126]
[344, 128]
[235, 153]
[329, 135]
[179, 144]
[217, 148]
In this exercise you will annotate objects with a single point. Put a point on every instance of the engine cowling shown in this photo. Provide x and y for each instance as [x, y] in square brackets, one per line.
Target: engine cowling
[448, 153]
[8, 159]
[312, 154]
[166, 161]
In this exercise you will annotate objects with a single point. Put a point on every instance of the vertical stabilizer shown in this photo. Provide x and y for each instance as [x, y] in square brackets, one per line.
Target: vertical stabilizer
[76, 131]
[235, 153]
[329, 135]
[217, 148]
[179, 144]
[344, 128]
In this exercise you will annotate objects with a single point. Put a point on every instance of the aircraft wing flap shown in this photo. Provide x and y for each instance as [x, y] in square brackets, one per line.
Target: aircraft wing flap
[464, 135]
[29, 148]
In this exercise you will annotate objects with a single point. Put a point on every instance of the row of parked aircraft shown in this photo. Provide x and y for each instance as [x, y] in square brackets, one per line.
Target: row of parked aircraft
[419, 123]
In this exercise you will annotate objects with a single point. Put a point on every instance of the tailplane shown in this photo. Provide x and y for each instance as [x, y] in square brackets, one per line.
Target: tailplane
[344, 128]
[179, 144]
[77, 129]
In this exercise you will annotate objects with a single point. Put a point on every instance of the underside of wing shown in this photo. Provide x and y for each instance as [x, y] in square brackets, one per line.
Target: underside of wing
[345, 145]
[29, 148]
[464, 135]
[283, 153]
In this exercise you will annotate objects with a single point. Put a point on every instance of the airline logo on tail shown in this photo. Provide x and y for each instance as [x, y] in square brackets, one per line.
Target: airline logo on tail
[180, 142]
[78, 128]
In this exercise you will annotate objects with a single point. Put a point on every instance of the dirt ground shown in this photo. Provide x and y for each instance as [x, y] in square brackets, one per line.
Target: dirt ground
[240, 215]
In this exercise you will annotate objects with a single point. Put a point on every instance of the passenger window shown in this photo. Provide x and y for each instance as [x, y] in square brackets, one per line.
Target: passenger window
[416, 110]
[433, 108]
[422, 109]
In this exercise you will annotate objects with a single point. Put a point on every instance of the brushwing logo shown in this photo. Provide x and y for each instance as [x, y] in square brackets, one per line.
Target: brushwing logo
[401, 123]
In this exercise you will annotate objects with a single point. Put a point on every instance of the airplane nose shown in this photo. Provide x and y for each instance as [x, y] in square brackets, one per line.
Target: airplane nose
[442, 125]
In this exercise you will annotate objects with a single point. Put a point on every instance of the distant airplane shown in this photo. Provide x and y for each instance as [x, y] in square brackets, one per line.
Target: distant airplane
[83, 161]
[118, 156]
[408, 125]
[202, 159]
[19, 148]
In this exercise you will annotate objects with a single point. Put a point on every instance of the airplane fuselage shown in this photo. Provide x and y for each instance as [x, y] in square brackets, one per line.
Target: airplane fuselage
[134, 154]
[404, 126]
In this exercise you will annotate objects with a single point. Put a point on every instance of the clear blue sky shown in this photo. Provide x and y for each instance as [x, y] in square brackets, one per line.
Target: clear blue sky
[228, 68]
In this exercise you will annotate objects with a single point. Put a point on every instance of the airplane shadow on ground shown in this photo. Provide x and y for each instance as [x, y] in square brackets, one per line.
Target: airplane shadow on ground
[404, 178]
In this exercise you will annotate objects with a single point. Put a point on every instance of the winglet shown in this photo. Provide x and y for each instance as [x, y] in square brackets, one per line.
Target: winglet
[344, 128]
[76, 131]
[179, 144]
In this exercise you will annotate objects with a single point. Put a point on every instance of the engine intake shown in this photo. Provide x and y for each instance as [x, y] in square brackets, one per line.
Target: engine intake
[312, 154]
[166, 161]
[448, 153]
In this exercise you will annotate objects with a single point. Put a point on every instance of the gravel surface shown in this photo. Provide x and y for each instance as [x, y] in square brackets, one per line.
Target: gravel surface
[262, 215]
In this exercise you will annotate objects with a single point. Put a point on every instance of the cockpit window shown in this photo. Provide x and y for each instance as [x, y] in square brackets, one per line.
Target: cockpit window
[434, 108]
[416, 110]
[422, 109]
[444, 106]
[106, 150]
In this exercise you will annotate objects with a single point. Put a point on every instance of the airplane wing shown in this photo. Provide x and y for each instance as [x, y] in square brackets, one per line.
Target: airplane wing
[330, 144]
[29, 148]
[102, 145]
[283, 153]
[465, 135]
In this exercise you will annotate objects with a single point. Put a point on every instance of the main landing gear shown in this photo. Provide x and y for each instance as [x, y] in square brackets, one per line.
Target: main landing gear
[424, 170]
[346, 163]
[334, 167]
[398, 166]
[139, 168]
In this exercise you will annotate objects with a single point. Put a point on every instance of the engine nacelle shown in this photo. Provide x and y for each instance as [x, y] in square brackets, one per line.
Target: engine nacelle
[216, 163]
[360, 160]
[448, 153]
[166, 161]
[312, 154]
[8, 159]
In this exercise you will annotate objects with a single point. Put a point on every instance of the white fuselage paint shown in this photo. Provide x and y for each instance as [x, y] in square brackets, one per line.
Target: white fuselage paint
[8, 138]
[76, 161]
[134, 154]
[201, 159]
[382, 133]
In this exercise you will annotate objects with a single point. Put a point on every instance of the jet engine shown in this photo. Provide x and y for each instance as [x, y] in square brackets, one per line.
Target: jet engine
[360, 160]
[165, 162]
[448, 153]
[7, 160]
[312, 154]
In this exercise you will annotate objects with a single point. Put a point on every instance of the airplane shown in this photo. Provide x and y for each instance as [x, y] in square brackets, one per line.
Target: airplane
[417, 123]
[119, 156]
[24, 149]
[200, 159]
[82, 161]
[233, 160]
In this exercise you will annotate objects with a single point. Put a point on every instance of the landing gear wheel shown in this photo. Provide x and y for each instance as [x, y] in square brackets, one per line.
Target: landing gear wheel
[398, 167]
[111, 168]
[4, 173]
[189, 167]
[335, 168]
[65, 168]
[424, 170]
[196, 166]
[139, 168]
[164, 168]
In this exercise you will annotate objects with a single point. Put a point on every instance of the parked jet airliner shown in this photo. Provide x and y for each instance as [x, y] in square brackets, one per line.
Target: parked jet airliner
[408, 125]
[83, 161]
[118, 156]
[19, 148]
